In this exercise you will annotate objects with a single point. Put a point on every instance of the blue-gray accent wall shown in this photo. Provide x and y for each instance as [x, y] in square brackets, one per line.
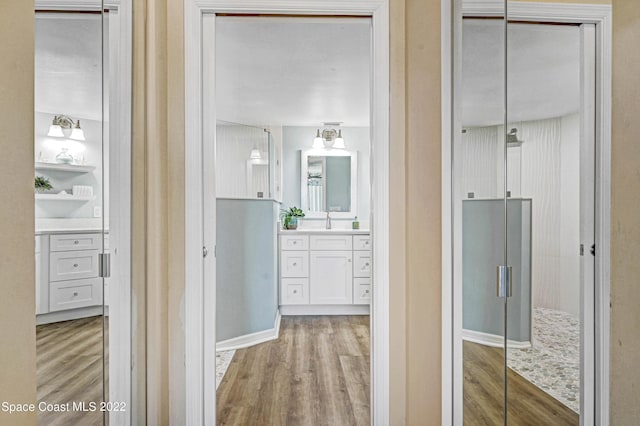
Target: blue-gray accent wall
[246, 274]
[482, 251]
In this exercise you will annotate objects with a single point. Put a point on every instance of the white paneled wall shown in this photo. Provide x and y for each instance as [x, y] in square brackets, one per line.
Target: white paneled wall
[233, 148]
[546, 168]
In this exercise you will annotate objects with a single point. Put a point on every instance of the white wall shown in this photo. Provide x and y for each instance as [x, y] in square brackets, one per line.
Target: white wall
[47, 148]
[546, 168]
[296, 139]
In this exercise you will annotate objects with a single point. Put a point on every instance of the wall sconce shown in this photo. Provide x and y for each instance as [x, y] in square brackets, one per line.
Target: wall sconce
[330, 138]
[61, 123]
[255, 154]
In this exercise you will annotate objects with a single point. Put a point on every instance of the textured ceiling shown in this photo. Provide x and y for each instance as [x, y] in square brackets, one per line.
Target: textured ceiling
[68, 64]
[543, 72]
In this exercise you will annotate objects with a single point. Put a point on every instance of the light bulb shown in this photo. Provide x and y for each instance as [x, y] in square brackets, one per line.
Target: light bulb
[55, 131]
[318, 143]
[339, 142]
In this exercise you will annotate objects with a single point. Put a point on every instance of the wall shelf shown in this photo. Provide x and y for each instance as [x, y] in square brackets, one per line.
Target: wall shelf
[73, 168]
[58, 197]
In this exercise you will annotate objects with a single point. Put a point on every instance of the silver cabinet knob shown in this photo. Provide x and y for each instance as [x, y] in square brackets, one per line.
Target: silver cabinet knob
[295, 242]
[294, 263]
[76, 242]
[295, 291]
[366, 264]
[75, 265]
[75, 293]
[366, 291]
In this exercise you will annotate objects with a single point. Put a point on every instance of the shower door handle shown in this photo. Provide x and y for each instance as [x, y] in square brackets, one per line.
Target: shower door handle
[504, 285]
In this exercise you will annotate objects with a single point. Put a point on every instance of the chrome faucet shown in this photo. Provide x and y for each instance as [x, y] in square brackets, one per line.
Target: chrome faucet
[328, 224]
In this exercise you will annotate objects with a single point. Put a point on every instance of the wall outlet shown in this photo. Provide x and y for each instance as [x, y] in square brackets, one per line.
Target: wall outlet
[97, 211]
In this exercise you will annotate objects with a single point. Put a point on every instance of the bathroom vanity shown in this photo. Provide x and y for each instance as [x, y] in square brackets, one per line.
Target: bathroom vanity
[325, 272]
[68, 285]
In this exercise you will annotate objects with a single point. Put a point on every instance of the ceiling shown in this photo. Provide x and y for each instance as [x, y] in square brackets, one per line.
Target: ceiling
[305, 71]
[293, 71]
[543, 68]
[68, 67]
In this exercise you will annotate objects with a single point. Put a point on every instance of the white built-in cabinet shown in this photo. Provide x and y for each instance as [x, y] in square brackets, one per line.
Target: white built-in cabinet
[67, 280]
[325, 269]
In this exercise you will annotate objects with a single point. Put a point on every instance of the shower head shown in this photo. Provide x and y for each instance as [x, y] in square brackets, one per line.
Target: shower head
[512, 138]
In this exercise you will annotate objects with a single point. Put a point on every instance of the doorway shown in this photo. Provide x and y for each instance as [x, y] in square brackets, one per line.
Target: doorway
[200, 297]
[528, 161]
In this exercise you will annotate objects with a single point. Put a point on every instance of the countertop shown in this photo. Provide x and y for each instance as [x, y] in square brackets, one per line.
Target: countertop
[69, 226]
[321, 231]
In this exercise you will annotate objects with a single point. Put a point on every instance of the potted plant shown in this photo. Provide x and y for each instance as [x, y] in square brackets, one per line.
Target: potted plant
[290, 217]
[42, 184]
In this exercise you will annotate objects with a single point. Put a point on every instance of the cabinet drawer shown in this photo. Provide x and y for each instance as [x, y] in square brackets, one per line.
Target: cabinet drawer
[362, 264]
[294, 242]
[294, 291]
[72, 242]
[73, 265]
[361, 291]
[75, 294]
[331, 242]
[294, 264]
[362, 242]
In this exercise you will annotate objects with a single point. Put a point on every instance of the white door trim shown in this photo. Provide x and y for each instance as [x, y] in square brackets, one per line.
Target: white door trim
[200, 298]
[600, 15]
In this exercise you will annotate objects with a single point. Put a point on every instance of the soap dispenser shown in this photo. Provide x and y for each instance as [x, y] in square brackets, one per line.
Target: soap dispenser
[355, 224]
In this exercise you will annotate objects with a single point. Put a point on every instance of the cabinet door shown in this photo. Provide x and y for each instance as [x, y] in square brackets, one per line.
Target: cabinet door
[331, 277]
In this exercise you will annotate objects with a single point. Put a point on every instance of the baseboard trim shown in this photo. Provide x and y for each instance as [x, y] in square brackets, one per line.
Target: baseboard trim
[325, 309]
[252, 339]
[492, 340]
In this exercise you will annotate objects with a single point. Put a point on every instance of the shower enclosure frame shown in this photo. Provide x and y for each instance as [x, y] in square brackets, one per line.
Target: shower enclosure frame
[600, 16]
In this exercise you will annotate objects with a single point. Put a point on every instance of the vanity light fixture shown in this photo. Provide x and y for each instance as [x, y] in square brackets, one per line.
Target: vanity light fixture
[61, 123]
[329, 138]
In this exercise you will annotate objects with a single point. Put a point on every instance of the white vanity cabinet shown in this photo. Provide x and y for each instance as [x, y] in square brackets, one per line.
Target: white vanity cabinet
[324, 272]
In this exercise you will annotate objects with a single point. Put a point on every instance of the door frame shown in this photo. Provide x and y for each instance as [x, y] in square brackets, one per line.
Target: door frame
[600, 15]
[121, 332]
[200, 299]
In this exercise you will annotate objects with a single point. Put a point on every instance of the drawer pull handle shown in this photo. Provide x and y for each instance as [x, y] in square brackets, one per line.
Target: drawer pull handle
[295, 291]
[366, 264]
[75, 265]
[295, 242]
[366, 291]
[294, 263]
[76, 242]
[75, 293]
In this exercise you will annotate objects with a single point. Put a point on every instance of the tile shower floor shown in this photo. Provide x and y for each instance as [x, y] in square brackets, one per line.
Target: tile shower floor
[223, 359]
[553, 362]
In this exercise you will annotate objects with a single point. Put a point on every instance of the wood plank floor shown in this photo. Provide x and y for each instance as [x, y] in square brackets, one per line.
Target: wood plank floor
[316, 373]
[69, 368]
[483, 393]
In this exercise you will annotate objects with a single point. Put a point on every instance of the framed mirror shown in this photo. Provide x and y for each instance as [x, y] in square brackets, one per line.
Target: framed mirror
[329, 183]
